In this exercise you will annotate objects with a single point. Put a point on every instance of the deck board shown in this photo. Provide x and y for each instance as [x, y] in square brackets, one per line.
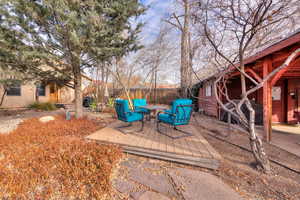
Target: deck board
[193, 149]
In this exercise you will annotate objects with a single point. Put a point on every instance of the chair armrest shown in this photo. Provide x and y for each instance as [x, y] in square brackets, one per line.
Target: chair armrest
[128, 113]
[136, 107]
[168, 111]
[165, 113]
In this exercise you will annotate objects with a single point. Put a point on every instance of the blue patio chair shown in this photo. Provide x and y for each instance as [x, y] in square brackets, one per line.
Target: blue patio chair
[126, 115]
[137, 103]
[179, 114]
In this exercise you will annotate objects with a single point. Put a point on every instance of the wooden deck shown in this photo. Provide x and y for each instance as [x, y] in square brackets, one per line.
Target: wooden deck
[193, 150]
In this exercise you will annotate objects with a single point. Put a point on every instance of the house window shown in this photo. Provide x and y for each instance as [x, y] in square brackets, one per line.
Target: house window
[276, 93]
[208, 90]
[41, 89]
[14, 90]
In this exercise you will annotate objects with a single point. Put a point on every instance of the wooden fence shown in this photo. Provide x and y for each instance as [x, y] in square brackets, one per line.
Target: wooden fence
[153, 96]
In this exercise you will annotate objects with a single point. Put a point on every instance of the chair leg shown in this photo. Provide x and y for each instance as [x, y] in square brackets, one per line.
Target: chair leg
[142, 127]
[185, 132]
[126, 126]
[175, 128]
[148, 117]
[157, 126]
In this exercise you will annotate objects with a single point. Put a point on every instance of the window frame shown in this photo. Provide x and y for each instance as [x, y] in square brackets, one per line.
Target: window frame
[208, 90]
[38, 88]
[17, 87]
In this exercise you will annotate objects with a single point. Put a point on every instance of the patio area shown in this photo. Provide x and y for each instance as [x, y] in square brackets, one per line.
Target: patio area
[287, 137]
[174, 146]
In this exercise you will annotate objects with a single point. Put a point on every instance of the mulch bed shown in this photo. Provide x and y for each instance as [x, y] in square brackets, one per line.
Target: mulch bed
[53, 161]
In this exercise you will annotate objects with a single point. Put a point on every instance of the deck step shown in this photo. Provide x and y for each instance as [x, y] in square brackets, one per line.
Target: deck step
[185, 159]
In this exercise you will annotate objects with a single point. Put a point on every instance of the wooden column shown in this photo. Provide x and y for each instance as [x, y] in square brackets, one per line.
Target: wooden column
[267, 101]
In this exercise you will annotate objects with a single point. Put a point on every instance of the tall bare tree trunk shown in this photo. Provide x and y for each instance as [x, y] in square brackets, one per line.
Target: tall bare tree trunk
[37, 96]
[78, 94]
[256, 143]
[185, 66]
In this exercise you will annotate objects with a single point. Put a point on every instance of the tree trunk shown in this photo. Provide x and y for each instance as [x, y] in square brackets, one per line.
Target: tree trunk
[256, 143]
[3, 96]
[184, 65]
[37, 97]
[78, 95]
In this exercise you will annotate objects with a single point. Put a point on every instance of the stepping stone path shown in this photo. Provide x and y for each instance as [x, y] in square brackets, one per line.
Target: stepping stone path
[153, 195]
[141, 179]
[200, 185]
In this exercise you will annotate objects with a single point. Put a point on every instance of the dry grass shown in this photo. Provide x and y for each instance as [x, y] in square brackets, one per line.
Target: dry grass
[53, 161]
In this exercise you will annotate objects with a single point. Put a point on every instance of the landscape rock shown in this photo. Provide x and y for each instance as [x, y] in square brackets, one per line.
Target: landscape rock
[157, 182]
[137, 194]
[124, 186]
[197, 185]
[7, 126]
[46, 119]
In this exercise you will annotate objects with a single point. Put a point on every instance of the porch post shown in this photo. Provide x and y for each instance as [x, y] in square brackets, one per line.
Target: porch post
[267, 101]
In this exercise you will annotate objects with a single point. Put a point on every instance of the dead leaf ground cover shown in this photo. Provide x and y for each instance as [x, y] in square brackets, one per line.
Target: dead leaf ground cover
[53, 161]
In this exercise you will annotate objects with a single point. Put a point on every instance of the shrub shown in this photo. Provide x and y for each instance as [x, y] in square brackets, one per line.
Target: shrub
[111, 102]
[43, 106]
[93, 105]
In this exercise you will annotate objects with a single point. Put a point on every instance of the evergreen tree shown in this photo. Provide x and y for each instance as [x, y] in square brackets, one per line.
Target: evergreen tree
[66, 35]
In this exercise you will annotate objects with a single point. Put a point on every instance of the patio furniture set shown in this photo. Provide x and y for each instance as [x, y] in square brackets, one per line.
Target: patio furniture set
[179, 113]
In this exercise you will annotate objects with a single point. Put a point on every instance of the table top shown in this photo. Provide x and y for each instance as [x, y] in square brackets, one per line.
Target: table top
[154, 107]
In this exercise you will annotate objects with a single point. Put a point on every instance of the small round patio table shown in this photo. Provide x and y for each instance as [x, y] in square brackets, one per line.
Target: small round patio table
[154, 108]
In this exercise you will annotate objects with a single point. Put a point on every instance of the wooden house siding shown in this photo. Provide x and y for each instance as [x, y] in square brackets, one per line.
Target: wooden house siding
[293, 84]
[277, 107]
[208, 104]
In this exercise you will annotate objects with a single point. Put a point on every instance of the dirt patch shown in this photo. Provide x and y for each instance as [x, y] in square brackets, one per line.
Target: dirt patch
[15, 112]
[26, 113]
[53, 161]
[237, 168]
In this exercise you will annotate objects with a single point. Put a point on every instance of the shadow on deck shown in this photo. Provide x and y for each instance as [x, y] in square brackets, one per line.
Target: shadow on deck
[192, 150]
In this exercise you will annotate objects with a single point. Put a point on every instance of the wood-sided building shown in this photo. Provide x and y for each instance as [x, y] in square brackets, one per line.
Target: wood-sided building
[280, 96]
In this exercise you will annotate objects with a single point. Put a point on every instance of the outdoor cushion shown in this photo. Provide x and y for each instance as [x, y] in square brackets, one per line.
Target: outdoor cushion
[180, 102]
[134, 116]
[177, 115]
[124, 113]
[140, 102]
[165, 118]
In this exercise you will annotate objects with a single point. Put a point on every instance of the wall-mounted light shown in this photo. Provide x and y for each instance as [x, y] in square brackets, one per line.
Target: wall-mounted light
[292, 93]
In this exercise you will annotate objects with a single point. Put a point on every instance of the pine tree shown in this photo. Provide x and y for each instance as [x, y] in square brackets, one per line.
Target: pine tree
[67, 35]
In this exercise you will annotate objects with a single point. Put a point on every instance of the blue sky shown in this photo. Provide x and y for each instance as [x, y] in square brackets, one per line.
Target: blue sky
[153, 17]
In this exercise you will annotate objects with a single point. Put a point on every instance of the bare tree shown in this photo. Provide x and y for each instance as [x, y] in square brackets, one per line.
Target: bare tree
[234, 29]
[182, 23]
[156, 57]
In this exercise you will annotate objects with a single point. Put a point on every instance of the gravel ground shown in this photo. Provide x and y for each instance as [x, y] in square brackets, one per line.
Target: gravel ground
[10, 119]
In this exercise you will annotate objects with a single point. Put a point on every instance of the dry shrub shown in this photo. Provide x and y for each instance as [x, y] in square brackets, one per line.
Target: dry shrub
[53, 161]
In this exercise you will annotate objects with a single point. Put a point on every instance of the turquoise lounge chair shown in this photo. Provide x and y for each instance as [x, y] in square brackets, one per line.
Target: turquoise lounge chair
[137, 103]
[179, 114]
[126, 115]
